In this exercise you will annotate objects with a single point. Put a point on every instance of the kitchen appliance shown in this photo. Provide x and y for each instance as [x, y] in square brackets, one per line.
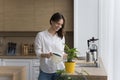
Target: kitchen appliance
[92, 52]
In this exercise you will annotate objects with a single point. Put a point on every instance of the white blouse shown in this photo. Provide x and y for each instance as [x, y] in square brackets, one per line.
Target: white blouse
[45, 43]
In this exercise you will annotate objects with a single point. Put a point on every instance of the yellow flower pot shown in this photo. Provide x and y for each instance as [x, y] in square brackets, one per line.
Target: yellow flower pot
[70, 67]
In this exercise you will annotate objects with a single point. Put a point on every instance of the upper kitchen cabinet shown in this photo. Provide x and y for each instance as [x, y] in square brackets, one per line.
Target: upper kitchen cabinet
[43, 11]
[45, 8]
[1, 15]
[33, 15]
[66, 8]
[19, 15]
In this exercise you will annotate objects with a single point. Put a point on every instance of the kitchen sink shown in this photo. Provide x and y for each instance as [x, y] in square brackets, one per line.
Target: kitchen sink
[81, 62]
[85, 65]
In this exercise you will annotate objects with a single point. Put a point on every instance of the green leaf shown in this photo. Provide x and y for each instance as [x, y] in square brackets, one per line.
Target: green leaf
[72, 53]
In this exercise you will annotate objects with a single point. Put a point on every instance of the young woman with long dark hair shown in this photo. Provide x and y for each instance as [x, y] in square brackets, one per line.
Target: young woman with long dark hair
[48, 42]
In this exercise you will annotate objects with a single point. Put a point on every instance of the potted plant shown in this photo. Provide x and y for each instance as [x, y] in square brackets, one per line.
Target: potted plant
[71, 54]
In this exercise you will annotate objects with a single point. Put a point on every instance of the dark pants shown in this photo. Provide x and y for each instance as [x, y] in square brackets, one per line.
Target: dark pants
[47, 76]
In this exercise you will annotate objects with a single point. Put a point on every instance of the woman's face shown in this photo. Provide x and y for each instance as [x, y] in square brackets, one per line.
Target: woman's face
[57, 25]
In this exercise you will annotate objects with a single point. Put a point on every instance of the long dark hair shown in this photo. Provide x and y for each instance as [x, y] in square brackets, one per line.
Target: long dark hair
[56, 17]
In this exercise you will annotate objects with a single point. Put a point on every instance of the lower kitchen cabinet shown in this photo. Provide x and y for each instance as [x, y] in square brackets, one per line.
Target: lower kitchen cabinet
[35, 69]
[32, 66]
[35, 73]
[32, 69]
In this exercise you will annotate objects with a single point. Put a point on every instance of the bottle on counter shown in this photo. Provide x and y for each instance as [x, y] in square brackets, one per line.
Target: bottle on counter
[87, 57]
[1, 45]
[25, 49]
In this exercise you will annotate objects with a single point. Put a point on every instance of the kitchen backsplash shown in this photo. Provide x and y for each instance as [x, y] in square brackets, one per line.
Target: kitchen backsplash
[22, 43]
[8, 48]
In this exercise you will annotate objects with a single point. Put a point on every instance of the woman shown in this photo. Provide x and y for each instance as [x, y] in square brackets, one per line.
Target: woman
[48, 42]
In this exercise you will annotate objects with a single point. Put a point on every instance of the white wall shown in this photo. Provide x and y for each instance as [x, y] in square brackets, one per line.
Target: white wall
[108, 31]
[86, 23]
[106, 34]
[110, 38]
[117, 41]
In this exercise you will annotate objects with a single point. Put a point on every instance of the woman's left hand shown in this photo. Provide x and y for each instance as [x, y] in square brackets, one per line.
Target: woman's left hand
[65, 56]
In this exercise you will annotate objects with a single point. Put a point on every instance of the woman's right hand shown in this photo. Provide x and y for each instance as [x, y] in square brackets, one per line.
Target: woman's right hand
[48, 55]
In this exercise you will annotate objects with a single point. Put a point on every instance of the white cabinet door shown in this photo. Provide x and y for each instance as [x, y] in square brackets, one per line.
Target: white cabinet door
[35, 73]
[35, 69]
[20, 62]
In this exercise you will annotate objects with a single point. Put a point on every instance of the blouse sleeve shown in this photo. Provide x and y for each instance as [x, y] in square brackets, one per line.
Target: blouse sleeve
[63, 46]
[38, 45]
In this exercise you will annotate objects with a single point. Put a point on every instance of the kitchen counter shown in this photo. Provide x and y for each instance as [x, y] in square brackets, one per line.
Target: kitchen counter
[19, 57]
[95, 73]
